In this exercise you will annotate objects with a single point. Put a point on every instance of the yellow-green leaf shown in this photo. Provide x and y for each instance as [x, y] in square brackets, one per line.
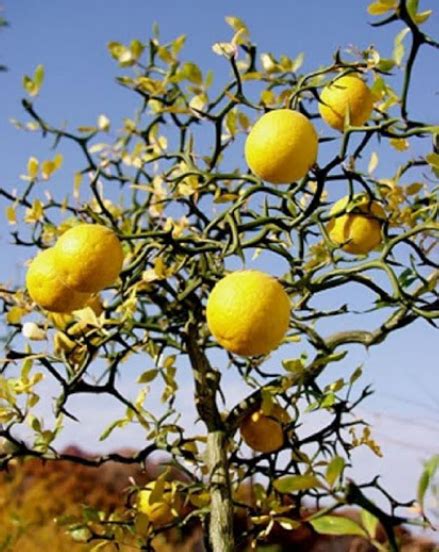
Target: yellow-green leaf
[414, 188]
[381, 6]
[373, 163]
[236, 23]
[47, 169]
[32, 168]
[398, 49]
[294, 483]
[11, 215]
[148, 376]
[400, 144]
[433, 160]
[334, 470]
[15, 315]
[103, 123]
[369, 522]
[337, 525]
[422, 17]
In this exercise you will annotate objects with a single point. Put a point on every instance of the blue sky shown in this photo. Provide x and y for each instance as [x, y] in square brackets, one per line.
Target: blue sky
[70, 39]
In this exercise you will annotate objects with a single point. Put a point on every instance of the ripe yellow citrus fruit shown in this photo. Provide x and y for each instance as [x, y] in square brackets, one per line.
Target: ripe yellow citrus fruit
[162, 511]
[88, 257]
[359, 231]
[248, 312]
[282, 146]
[263, 432]
[47, 289]
[348, 94]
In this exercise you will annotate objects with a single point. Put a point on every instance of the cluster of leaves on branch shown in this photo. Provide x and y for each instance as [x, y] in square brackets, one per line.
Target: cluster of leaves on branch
[172, 186]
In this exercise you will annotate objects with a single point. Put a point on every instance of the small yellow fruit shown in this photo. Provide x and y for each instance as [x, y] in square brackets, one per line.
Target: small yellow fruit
[248, 312]
[359, 231]
[282, 146]
[264, 432]
[162, 511]
[346, 94]
[47, 289]
[88, 257]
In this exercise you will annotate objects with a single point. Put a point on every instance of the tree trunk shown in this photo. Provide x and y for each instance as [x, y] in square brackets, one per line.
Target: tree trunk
[221, 509]
[206, 388]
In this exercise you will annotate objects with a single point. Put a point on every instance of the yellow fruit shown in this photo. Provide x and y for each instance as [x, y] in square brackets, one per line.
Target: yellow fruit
[346, 94]
[359, 231]
[162, 511]
[88, 257]
[264, 432]
[282, 146]
[248, 312]
[47, 289]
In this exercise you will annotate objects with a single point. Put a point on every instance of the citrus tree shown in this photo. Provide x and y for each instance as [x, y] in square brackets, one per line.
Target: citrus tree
[171, 247]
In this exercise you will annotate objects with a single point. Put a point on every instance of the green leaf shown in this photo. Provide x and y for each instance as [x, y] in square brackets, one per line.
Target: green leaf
[297, 62]
[334, 470]
[148, 376]
[422, 17]
[369, 522]
[398, 49]
[178, 44]
[357, 373]
[373, 163]
[385, 65]
[430, 469]
[112, 427]
[39, 77]
[192, 73]
[433, 160]
[381, 7]
[236, 23]
[412, 7]
[337, 525]
[294, 483]
[293, 365]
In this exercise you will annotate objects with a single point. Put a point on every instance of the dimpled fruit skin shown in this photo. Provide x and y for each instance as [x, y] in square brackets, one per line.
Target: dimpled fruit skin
[359, 233]
[281, 147]
[47, 290]
[162, 511]
[264, 432]
[248, 312]
[88, 257]
[346, 93]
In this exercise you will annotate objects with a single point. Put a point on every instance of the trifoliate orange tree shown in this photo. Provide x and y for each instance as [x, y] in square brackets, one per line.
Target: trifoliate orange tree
[209, 183]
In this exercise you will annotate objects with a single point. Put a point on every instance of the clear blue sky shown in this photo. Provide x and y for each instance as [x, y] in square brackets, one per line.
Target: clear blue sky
[70, 39]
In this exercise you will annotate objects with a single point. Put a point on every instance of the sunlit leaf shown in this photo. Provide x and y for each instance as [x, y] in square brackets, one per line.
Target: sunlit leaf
[294, 483]
[381, 6]
[31, 331]
[236, 23]
[369, 522]
[422, 17]
[334, 470]
[373, 163]
[400, 144]
[32, 168]
[103, 123]
[398, 49]
[336, 525]
[430, 469]
[148, 376]
[11, 214]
